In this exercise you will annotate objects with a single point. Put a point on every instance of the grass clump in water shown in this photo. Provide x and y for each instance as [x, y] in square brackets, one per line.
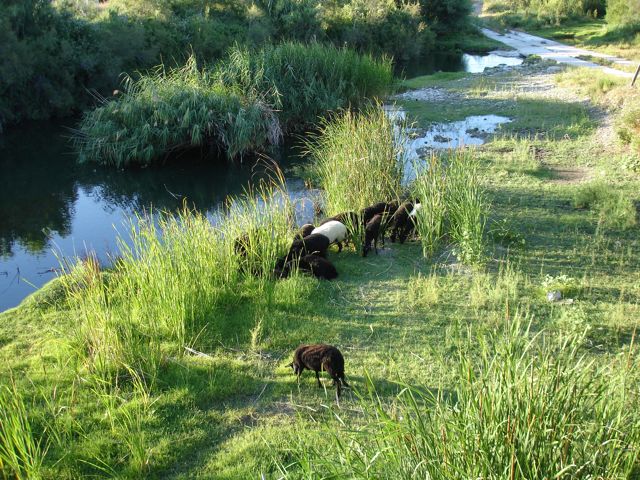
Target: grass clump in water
[241, 105]
[524, 406]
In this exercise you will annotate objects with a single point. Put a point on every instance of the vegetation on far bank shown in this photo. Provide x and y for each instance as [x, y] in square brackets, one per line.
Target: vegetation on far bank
[608, 26]
[55, 54]
[244, 103]
[173, 362]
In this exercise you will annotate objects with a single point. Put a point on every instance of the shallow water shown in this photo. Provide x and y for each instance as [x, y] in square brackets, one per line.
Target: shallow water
[50, 203]
[479, 63]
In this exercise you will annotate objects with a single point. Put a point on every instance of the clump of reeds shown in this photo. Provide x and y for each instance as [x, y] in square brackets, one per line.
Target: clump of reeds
[175, 275]
[358, 160]
[241, 105]
[305, 82]
[170, 110]
[454, 204]
[525, 407]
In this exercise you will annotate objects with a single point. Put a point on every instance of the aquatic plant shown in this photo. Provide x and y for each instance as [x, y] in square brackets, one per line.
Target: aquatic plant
[241, 105]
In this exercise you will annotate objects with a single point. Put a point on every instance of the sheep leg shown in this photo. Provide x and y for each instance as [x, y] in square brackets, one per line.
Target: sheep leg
[339, 246]
[375, 244]
[318, 378]
[344, 382]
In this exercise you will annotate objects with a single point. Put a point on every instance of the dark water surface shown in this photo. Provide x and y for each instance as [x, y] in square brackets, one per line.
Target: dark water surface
[50, 203]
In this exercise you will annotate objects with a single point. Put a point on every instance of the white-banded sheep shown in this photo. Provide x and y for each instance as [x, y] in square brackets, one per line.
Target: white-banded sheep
[334, 230]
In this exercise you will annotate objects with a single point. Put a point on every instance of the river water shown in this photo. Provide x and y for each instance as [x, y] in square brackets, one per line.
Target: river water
[50, 205]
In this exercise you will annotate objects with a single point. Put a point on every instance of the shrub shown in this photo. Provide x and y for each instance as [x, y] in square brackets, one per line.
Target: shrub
[446, 15]
[620, 12]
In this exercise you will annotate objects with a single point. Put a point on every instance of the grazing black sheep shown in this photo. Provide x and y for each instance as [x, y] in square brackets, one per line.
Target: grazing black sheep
[317, 358]
[371, 234]
[313, 264]
[315, 242]
[369, 212]
[391, 208]
[305, 231]
[399, 222]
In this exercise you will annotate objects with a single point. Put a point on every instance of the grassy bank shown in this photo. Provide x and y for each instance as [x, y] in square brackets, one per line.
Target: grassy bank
[241, 105]
[457, 369]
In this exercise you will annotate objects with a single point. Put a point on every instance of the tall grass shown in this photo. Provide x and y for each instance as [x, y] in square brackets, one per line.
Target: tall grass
[305, 82]
[525, 407]
[241, 105]
[454, 204]
[21, 455]
[167, 111]
[174, 282]
[358, 159]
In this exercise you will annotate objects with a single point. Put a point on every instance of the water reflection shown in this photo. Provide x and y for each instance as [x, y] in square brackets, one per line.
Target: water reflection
[48, 201]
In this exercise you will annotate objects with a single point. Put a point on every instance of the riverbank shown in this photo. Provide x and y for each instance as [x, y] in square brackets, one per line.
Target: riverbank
[560, 186]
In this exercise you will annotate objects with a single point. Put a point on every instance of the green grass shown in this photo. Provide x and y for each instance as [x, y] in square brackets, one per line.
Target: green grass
[480, 350]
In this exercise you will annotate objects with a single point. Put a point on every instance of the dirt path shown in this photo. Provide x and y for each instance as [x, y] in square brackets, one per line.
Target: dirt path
[527, 44]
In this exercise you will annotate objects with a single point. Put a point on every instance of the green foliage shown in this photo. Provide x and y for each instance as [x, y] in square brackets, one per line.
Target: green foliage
[305, 82]
[53, 54]
[447, 15]
[621, 12]
[454, 203]
[524, 407]
[231, 106]
[168, 111]
[536, 13]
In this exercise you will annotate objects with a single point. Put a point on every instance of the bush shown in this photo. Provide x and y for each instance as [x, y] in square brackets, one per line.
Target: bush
[620, 12]
[446, 15]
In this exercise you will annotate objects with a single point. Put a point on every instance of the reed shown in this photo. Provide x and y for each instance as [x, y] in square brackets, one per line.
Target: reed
[175, 276]
[241, 105]
[21, 454]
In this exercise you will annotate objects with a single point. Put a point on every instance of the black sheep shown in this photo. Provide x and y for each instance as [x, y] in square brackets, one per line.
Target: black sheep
[369, 212]
[317, 358]
[371, 234]
[305, 231]
[311, 243]
[400, 222]
[314, 264]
